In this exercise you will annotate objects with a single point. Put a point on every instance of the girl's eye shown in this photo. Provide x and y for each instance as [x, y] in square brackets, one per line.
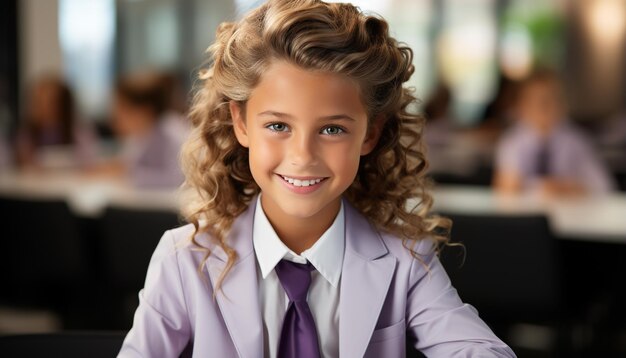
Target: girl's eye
[277, 127]
[333, 130]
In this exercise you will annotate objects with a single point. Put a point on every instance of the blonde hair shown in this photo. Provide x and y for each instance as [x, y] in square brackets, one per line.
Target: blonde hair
[317, 36]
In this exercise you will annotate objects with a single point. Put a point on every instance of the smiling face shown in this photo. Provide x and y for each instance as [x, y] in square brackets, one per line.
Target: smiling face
[306, 132]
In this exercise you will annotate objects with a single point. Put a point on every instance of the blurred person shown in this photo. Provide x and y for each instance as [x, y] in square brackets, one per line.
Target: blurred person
[499, 112]
[149, 153]
[175, 121]
[442, 139]
[50, 135]
[542, 151]
[439, 127]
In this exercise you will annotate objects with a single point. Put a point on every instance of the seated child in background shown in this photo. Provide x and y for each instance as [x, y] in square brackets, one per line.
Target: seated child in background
[142, 122]
[303, 157]
[543, 152]
[50, 135]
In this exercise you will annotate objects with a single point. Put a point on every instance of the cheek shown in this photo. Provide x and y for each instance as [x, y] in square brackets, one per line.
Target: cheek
[264, 154]
[348, 163]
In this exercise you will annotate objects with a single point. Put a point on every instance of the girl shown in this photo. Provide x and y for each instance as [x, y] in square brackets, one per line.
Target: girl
[303, 157]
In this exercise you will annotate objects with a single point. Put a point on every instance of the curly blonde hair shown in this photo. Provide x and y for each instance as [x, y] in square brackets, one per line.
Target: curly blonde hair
[317, 36]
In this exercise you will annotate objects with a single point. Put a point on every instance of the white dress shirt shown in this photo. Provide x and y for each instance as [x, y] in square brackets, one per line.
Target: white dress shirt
[326, 255]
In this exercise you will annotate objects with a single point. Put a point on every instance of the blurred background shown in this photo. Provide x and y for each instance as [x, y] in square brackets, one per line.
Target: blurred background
[525, 107]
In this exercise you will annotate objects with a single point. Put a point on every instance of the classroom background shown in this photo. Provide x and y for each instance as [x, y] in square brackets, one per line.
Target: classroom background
[93, 96]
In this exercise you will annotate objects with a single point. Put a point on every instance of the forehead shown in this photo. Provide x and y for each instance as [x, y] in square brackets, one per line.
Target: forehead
[287, 86]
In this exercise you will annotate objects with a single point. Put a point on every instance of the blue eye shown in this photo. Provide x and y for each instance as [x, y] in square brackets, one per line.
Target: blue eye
[277, 127]
[333, 130]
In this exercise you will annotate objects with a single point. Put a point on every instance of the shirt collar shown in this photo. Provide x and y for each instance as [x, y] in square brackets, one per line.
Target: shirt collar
[326, 255]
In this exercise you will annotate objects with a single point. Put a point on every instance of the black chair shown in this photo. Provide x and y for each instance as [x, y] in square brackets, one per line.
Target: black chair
[128, 239]
[510, 271]
[480, 176]
[620, 179]
[63, 344]
[43, 254]
[511, 265]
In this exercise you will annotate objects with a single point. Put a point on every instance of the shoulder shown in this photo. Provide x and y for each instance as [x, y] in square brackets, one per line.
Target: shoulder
[180, 234]
[572, 133]
[516, 134]
[574, 140]
[176, 247]
[514, 142]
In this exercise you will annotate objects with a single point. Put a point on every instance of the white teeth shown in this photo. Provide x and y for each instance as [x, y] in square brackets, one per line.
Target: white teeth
[298, 182]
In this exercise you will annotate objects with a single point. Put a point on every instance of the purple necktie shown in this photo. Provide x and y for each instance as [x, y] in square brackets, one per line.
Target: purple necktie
[543, 160]
[298, 337]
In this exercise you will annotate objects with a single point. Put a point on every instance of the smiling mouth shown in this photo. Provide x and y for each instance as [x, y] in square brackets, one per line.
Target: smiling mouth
[299, 182]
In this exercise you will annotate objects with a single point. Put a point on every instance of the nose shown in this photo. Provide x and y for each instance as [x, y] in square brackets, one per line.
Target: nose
[302, 151]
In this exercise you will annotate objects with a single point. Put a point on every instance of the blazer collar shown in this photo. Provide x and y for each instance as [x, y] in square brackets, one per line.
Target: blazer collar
[361, 237]
[367, 274]
[238, 298]
[239, 237]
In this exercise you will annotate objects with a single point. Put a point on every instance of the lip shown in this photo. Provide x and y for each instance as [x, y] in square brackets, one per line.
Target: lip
[301, 189]
[300, 178]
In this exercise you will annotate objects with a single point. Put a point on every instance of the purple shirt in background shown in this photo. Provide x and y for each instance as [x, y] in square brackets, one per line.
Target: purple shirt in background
[571, 157]
[153, 159]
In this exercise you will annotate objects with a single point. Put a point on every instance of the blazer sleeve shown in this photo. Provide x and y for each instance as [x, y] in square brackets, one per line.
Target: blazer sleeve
[161, 326]
[440, 323]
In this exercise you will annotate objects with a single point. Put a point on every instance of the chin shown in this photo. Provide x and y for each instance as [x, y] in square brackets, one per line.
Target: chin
[301, 210]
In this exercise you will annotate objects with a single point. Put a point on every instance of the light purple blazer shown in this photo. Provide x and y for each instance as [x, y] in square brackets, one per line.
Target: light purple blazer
[385, 295]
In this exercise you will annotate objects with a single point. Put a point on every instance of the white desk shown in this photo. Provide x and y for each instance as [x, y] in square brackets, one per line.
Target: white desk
[601, 219]
[86, 197]
[591, 219]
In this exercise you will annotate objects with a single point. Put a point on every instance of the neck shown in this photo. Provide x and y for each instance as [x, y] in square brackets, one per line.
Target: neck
[298, 233]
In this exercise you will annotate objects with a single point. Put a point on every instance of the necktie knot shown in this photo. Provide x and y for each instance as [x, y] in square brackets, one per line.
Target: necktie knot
[295, 279]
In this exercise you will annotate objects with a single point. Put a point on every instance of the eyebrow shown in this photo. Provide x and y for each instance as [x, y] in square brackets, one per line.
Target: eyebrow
[288, 116]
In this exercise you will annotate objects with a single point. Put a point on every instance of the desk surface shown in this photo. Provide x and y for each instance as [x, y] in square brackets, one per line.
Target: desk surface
[601, 219]
[86, 197]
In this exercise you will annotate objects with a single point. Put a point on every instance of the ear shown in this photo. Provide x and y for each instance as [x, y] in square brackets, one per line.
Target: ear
[373, 135]
[239, 124]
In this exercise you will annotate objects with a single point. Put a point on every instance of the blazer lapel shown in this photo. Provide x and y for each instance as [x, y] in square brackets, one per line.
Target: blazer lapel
[238, 299]
[366, 275]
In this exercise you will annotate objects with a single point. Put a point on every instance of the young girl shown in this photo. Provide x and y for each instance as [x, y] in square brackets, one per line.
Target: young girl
[303, 157]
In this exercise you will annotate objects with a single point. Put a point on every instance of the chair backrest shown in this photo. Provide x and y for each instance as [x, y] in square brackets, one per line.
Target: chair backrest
[63, 344]
[41, 246]
[511, 266]
[129, 237]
